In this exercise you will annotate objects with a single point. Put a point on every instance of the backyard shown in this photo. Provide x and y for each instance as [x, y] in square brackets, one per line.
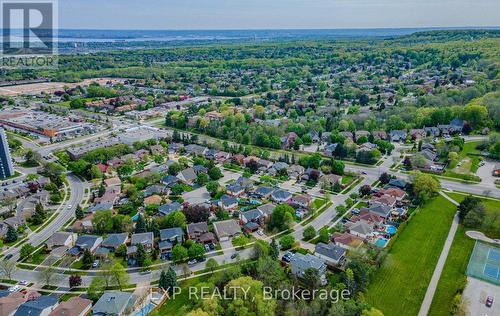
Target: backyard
[467, 163]
[399, 286]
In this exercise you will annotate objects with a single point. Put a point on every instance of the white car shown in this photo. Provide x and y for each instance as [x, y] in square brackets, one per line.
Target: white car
[260, 232]
[69, 206]
[15, 288]
[23, 282]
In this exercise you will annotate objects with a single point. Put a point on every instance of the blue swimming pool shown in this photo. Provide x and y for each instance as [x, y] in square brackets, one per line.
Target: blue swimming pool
[145, 310]
[381, 242]
[390, 229]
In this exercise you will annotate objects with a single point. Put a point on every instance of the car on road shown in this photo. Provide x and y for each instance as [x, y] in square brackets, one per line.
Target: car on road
[7, 257]
[23, 282]
[234, 255]
[201, 259]
[146, 272]
[192, 262]
[96, 264]
[70, 206]
[489, 301]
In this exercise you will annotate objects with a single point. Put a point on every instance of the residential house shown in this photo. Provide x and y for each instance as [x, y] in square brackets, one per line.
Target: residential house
[199, 233]
[112, 182]
[381, 210]
[222, 156]
[113, 241]
[61, 239]
[266, 209]
[457, 124]
[152, 200]
[227, 229]
[428, 154]
[265, 164]
[235, 189]
[84, 225]
[263, 192]
[145, 239]
[281, 196]
[347, 135]
[398, 135]
[361, 229]
[332, 254]
[86, 242]
[41, 306]
[330, 179]
[255, 215]
[168, 208]
[228, 202]
[388, 200]
[169, 238]
[377, 135]
[114, 303]
[359, 134]
[10, 302]
[169, 180]
[398, 183]
[330, 149]
[195, 150]
[288, 140]
[156, 189]
[432, 131]
[14, 222]
[299, 263]
[302, 200]
[198, 169]
[417, 134]
[75, 306]
[397, 193]
[187, 176]
[347, 241]
[295, 171]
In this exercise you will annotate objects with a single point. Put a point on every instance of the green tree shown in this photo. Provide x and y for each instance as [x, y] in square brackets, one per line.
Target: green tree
[170, 280]
[212, 188]
[324, 235]
[119, 275]
[11, 235]
[26, 251]
[309, 233]
[140, 225]
[87, 259]
[215, 173]
[140, 255]
[196, 251]
[425, 186]
[96, 288]
[211, 265]
[287, 242]
[179, 253]
[79, 212]
[281, 218]
[202, 179]
[273, 250]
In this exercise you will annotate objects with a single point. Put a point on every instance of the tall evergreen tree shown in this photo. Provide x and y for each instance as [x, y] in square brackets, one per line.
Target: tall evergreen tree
[273, 250]
[11, 235]
[171, 280]
[79, 212]
[140, 225]
[140, 255]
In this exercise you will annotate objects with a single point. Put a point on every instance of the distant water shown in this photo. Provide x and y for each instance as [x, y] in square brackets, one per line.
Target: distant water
[66, 35]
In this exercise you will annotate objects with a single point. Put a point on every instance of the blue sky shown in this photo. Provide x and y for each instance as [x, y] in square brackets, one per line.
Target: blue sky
[269, 14]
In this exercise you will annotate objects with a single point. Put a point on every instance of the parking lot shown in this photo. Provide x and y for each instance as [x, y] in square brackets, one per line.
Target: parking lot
[475, 295]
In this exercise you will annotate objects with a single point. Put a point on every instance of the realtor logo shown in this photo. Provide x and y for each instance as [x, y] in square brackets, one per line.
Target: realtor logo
[29, 33]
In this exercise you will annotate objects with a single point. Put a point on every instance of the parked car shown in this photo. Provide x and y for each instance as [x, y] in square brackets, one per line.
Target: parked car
[192, 262]
[15, 288]
[260, 233]
[287, 257]
[23, 282]
[202, 259]
[7, 257]
[234, 255]
[146, 272]
[207, 248]
[489, 301]
[95, 264]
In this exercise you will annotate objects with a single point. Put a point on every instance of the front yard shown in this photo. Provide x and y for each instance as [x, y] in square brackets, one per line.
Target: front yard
[399, 286]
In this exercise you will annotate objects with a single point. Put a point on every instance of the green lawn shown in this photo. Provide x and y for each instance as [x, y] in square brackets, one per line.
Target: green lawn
[453, 277]
[399, 286]
[469, 163]
[491, 225]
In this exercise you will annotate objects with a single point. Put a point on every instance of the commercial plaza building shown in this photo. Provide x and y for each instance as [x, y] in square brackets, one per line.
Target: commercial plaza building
[6, 168]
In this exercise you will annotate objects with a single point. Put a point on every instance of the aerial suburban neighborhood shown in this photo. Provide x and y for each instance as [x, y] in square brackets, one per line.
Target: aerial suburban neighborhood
[138, 174]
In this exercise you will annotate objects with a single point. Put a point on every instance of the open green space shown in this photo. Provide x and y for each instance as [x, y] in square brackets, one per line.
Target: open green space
[491, 223]
[399, 286]
[453, 279]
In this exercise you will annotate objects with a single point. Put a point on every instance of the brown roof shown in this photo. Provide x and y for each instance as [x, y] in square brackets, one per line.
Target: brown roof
[370, 217]
[395, 192]
[153, 199]
[112, 181]
[75, 306]
[10, 303]
[347, 239]
[385, 199]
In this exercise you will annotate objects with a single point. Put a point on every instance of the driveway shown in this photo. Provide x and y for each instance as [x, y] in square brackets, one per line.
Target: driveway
[485, 172]
[197, 196]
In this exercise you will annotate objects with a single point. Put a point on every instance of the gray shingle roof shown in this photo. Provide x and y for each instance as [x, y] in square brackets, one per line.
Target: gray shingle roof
[330, 250]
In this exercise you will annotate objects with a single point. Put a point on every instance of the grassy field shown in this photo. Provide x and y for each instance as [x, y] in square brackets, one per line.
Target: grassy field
[453, 277]
[399, 286]
[469, 164]
[491, 226]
